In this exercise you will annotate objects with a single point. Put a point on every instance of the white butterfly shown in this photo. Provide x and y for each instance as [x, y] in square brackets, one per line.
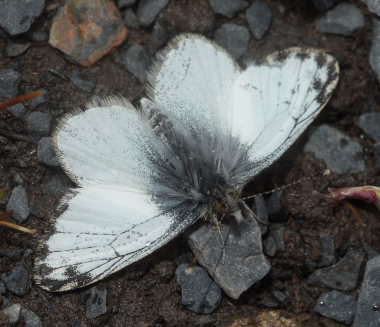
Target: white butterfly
[144, 175]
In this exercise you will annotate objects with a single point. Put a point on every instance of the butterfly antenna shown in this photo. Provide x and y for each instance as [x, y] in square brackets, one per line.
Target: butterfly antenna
[302, 180]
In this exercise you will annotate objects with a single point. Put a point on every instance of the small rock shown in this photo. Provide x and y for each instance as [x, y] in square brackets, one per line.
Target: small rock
[18, 15]
[234, 38]
[43, 98]
[45, 152]
[340, 153]
[87, 30]
[275, 210]
[344, 19]
[158, 38]
[13, 313]
[278, 233]
[259, 207]
[9, 82]
[370, 123]
[37, 36]
[17, 110]
[3, 289]
[18, 202]
[338, 306]
[323, 5]
[58, 186]
[130, 19]
[328, 250]
[81, 81]
[16, 49]
[200, 294]
[343, 276]
[373, 6]
[367, 309]
[125, 3]
[259, 18]
[267, 302]
[371, 253]
[374, 54]
[270, 247]
[228, 8]
[280, 296]
[38, 123]
[137, 62]
[30, 318]
[149, 9]
[232, 256]
[96, 304]
[17, 281]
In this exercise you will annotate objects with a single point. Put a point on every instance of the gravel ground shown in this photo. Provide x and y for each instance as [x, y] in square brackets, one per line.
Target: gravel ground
[325, 265]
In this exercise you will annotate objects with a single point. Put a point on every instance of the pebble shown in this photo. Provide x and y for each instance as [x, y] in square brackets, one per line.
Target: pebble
[3, 289]
[87, 30]
[9, 82]
[343, 276]
[17, 110]
[340, 153]
[373, 6]
[374, 54]
[259, 18]
[18, 15]
[200, 293]
[259, 208]
[371, 252]
[16, 49]
[323, 5]
[228, 8]
[274, 207]
[17, 281]
[280, 296]
[58, 186]
[38, 123]
[130, 19]
[30, 318]
[45, 152]
[370, 123]
[38, 36]
[148, 10]
[344, 19]
[158, 38]
[96, 304]
[13, 313]
[328, 250]
[338, 306]
[81, 81]
[234, 38]
[368, 307]
[125, 3]
[137, 62]
[278, 233]
[269, 245]
[243, 262]
[43, 98]
[18, 202]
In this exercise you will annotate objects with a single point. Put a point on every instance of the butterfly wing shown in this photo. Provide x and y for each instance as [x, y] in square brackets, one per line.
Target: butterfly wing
[278, 99]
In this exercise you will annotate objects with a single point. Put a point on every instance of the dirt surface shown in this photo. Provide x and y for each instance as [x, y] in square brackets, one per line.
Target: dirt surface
[147, 294]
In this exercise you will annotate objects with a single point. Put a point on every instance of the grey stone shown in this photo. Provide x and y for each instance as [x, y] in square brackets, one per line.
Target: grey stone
[267, 302]
[30, 318]
[323, 5]
[200, 293]
[81, 81]
[18, 202]
[370, 123]
[269, 245]
[158, 38]
[259, 18]
[228, 8]
[13, 313]
[3, 289]
[148, 10]
[43, 98]
[130, 19]
[17, 281]
[17, 110]
[367, 309]
[38, 123]
[96, 304]
[45, 152]
[373, 6]
[328, 250]
[344, 19]
[280, 296]
[125, 3]
[38, 36]
[259, 207]
[232, 255]
[274, 203]
[278, 233]
[338, 306]
[16, 49]
[234, 38]
[9, 82]
[340, 153]
[58, 186]
[137, 62]
[18, 15]
[343, 276]
[371, 253]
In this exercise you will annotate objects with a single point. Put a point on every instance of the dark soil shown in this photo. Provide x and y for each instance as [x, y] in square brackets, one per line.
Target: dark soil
[147, 294]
